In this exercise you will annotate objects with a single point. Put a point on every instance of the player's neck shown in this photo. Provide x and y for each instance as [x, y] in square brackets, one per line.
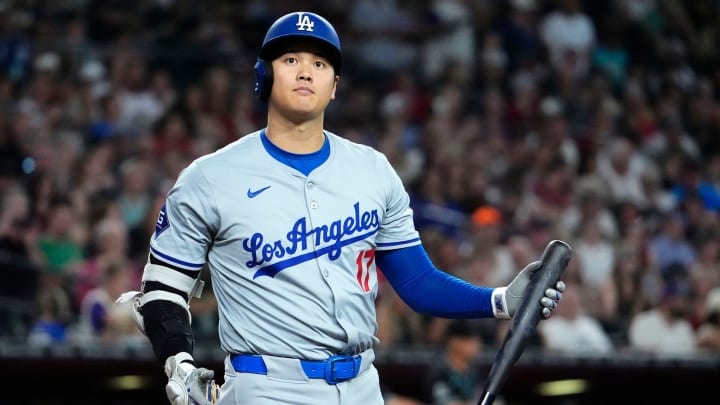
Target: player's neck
[306, 137]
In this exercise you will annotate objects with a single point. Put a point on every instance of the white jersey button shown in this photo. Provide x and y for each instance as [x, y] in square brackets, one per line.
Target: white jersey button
[314, 204]
[311, 184]
[325, 272]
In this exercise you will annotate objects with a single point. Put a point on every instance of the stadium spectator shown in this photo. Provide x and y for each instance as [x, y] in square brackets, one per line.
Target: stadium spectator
[398, 325]
[110, 249]
[453, 378]
[670, 249]
[665, 330]
[385, 30]
[20, 259]
[705, 273]
[452, 42]
[572, 331]
[49, 326]
[589, 207]
[61, 242]
[138, 105]
[432, 207]
[595, 254]
[569, 35]
[547, 197]
[519, 33]
[17, 228]
[634, 288]
[135, 194]
[691, 181]
[671, 138]
[100, 319]
[488, 250]
[708, 334]
[610, 56]
[621, 166]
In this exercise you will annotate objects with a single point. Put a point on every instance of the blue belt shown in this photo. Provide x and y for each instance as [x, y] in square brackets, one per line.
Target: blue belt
[334, 370]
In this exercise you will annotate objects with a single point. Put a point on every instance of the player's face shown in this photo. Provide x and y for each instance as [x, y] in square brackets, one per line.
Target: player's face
[303, 84]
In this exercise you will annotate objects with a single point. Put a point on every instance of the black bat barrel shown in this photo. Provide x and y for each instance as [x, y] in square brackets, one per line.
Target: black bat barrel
[554, 260]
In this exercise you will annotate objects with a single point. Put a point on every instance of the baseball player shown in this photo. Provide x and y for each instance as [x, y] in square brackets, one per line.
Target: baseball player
[293, 222]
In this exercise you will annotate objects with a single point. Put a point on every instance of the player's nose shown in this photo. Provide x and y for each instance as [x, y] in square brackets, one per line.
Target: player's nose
[305, 75]
[305, 71]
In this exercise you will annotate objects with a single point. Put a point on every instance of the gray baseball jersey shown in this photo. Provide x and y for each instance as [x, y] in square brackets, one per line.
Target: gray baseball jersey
[291, 256]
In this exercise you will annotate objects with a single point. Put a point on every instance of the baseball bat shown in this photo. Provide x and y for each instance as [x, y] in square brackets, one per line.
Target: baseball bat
[553, 262]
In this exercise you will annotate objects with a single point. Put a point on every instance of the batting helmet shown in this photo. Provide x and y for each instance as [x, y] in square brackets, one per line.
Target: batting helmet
[283, 32]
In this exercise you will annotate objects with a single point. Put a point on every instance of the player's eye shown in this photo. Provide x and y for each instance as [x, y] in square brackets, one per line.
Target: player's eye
[291, 60]
[319, 64]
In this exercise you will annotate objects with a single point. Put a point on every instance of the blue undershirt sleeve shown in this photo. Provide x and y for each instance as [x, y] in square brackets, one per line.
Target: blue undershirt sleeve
[428, 290]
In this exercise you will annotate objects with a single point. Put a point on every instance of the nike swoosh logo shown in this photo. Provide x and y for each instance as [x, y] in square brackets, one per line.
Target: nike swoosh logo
[253, 194]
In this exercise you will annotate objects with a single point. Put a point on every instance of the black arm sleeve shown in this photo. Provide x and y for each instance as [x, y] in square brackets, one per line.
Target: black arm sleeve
[168, 327]
[167, 324]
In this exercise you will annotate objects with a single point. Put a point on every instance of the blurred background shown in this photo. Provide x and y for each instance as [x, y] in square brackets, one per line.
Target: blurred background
[512, 123]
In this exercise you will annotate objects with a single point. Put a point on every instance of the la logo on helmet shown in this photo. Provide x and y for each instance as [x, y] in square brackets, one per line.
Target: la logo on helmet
[304, 23]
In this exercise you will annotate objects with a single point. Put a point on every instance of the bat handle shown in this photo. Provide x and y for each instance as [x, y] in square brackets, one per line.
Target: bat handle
[487, 399]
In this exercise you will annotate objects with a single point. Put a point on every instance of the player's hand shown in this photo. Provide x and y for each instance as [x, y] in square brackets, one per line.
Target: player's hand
[506, 300]
[187, 384]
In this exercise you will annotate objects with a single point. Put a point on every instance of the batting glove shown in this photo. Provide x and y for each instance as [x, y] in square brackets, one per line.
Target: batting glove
[506, 300]
[187, 384]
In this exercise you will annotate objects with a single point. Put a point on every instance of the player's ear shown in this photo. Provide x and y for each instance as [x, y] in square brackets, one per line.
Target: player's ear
[337, 79]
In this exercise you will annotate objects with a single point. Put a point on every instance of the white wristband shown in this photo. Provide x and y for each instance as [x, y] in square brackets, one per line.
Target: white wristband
[499, 303]
[185, 362]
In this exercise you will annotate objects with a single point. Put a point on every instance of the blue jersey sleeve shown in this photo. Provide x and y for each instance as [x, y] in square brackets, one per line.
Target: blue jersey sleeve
[428, 290]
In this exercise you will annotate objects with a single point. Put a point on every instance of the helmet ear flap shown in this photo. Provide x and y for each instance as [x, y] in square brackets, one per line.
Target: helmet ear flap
[263, 79]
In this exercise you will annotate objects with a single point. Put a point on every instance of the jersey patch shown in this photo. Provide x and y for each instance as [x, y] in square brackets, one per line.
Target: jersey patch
[163, 222]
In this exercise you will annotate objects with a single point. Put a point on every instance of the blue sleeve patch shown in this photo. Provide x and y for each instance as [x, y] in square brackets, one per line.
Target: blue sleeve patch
[162, 222]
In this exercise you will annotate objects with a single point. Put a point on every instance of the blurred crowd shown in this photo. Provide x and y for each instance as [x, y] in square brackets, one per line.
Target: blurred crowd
[512, 123]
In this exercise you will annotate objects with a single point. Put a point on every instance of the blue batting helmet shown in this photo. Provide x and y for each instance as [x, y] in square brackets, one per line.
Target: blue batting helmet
[286, 29]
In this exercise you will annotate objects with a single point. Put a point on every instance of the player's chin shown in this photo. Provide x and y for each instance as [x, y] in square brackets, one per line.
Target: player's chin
[307, 102]
[319, 99]
[307, 108]
[300, 115]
